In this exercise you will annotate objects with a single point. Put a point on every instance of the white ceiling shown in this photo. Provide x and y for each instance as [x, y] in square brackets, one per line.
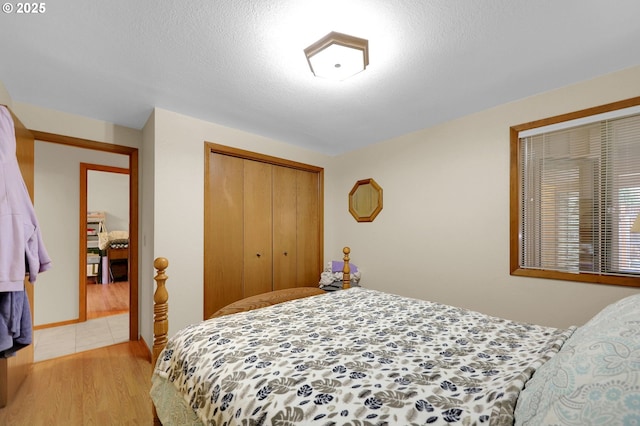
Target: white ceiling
[240, 63]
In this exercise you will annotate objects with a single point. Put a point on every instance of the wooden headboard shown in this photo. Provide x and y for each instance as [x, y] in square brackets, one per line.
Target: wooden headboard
[267, 299]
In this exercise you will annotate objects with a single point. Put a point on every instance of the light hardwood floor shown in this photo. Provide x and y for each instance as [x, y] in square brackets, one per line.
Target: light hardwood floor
[106, 386]
[107, 299]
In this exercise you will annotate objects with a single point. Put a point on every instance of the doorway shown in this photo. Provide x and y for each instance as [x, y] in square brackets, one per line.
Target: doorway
[133, 273]
[104, 193]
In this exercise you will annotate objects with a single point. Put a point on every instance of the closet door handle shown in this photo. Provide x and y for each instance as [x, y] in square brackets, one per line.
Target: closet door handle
[258, 254]
[285, 253]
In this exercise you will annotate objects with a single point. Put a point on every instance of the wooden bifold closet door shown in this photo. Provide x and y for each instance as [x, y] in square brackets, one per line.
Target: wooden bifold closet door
[263, 225]
[258, 241]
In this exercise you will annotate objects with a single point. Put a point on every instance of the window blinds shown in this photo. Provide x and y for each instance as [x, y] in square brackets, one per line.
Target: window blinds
[579, 196]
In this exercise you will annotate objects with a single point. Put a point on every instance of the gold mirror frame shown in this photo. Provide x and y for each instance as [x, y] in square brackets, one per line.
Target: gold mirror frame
[365, 200]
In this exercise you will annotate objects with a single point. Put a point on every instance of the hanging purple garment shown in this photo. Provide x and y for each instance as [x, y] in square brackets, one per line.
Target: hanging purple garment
[21, 248]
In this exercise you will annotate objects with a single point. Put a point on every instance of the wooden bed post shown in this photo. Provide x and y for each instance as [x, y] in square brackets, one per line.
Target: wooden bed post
[346, 271]
[160, 308]
[160, 318]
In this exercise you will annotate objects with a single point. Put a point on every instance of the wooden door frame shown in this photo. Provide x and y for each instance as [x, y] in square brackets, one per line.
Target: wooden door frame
[132, 153]
[85, 168]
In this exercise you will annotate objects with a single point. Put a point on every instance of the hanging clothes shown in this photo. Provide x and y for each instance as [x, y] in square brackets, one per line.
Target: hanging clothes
[20, 236]
[15, 322]
[22, 251]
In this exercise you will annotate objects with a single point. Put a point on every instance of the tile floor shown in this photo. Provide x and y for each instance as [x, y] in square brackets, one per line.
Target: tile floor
[68, 339]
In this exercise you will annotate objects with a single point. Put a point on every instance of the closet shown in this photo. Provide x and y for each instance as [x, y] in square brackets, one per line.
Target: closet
[263, 225]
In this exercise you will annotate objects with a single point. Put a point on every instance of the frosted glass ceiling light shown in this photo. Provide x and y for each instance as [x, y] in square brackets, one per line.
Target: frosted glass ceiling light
[338, 56]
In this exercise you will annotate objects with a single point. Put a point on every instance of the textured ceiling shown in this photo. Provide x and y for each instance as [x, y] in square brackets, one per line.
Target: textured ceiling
[240, 63]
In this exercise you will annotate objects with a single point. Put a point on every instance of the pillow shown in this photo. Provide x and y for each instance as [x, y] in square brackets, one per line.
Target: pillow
[594, 378]
[336, 266]
[106, 239]
[118, 235]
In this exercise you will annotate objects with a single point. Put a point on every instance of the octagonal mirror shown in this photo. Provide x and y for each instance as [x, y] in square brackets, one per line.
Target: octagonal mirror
[365, 200]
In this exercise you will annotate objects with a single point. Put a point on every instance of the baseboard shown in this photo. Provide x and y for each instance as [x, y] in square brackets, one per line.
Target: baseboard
[56, 324]
[146, 347]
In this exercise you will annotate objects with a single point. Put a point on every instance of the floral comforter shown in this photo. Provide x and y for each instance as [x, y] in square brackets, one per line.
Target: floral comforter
[357, 357]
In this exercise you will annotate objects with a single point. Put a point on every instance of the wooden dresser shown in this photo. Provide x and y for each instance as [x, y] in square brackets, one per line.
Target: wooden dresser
[118, 259]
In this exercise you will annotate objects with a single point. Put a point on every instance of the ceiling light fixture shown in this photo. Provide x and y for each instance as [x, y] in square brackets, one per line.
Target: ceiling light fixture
[338, 56]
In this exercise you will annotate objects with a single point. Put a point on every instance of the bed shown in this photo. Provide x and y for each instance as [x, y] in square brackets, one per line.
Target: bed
[364, 357]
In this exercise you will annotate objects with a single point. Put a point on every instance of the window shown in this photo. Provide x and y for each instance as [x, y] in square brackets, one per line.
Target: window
[575, 194]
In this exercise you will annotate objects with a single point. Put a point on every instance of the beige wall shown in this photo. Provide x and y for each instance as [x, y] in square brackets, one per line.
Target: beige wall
[109, 192]
[178, 188]
[56, 179]
[57, 205]
[443, 233]
[146, 227]
[61, 123]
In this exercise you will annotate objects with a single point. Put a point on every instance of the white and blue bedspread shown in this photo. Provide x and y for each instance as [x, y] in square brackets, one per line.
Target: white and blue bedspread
[358, 357]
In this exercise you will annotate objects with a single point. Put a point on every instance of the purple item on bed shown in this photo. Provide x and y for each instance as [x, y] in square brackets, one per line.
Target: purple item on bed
[337, 265]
